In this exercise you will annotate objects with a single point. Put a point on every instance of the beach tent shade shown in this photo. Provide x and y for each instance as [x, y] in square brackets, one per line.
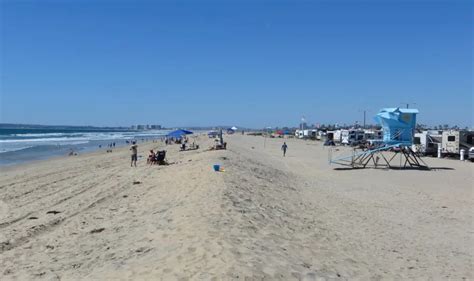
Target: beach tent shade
[234, 128]
[178, 133]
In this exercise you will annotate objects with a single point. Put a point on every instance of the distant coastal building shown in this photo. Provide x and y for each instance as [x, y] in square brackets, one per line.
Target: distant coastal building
[146, 127]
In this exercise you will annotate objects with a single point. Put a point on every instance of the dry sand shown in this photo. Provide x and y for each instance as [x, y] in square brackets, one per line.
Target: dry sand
[265, 218]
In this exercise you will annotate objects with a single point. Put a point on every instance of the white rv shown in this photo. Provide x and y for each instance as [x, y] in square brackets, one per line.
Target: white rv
[299, 134]
[356, 136]
[345, 137]
[320, 134]
[306, 134]
[337, 136]
[426, 143]
[310, 134]
[453, 141]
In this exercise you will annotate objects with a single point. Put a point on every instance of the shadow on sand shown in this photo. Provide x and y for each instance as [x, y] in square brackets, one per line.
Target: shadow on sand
[395, 168]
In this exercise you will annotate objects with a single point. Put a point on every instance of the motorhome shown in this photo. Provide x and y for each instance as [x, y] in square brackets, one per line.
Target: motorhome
[337, 136]
[310, 134]
[345, 137]
[426, 142]
[453, 141]
[320, 135]
[306, 134]
[299, 134]
[356, 137]
[330, 135]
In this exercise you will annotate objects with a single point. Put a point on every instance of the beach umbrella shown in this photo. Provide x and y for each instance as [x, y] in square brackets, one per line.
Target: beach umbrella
[234, 128]
[179, 133]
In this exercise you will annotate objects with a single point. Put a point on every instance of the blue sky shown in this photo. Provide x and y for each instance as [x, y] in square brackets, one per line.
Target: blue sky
[247, 63]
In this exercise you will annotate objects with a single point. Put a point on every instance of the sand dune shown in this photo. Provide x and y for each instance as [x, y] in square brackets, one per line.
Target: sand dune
[266, 217]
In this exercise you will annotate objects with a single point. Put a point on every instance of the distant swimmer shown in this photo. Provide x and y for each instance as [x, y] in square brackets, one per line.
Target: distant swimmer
[134, 149]
[284, 147]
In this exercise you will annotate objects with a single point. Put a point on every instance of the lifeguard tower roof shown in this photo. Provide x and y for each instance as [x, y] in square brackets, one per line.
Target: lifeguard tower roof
[402, 110]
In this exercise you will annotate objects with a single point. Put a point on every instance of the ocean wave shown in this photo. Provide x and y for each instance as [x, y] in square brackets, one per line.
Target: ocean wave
[4, 150]
[48, 140]
[68, 138]
[44, 135]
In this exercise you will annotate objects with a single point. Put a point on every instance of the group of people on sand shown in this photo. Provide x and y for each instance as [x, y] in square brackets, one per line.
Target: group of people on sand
[152, 156]
[172, 140]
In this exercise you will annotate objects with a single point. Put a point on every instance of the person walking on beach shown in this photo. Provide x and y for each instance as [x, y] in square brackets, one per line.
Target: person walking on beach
[284, 147]
[134, 150]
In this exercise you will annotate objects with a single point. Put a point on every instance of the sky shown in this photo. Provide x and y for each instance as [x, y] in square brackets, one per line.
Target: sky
[245, 63]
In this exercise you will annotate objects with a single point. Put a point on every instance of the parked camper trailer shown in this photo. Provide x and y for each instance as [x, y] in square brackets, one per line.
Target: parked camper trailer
[453, 141]
[426, 143]
[356, 137]
[471, 154]
[310, 134]
[299, 134]
[320, 135]
[306, 134]
[330, 135]
[373, 135]
[337, 136]
[345, 137]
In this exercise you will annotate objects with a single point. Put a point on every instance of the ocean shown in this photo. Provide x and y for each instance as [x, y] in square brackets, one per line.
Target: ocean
[24, 145]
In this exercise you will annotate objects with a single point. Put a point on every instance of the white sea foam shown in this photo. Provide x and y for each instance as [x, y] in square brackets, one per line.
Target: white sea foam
[3, 150]
[49, 140]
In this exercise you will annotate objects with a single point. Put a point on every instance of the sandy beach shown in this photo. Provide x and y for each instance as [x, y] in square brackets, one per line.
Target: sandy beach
[266, 217]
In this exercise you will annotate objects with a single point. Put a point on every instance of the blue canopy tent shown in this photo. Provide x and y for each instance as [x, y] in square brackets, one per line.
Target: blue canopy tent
[178, 134]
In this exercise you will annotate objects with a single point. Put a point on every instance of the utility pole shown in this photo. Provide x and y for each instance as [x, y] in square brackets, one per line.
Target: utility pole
[364, 118]
[364, 111]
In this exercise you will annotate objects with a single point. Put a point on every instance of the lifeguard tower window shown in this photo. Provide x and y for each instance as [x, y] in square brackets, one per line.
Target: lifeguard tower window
[416, 140]
[451, 138]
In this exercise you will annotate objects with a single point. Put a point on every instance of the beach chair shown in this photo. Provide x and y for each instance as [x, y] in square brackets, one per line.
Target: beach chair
[160, 157]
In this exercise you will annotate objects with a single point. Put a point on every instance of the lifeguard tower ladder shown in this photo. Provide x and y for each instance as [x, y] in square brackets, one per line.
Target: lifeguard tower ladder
[398, 126]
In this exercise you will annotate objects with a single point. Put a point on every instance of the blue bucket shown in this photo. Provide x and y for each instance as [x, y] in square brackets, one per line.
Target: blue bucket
[217, 168]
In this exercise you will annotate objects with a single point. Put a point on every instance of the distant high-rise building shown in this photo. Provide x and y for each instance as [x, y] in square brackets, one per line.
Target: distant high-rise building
[140, 127]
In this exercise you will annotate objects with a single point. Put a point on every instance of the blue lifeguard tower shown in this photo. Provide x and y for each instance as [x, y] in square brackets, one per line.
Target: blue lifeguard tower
[398, 125]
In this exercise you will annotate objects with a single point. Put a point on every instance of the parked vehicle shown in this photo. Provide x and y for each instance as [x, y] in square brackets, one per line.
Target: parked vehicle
[471, 154]
[330, 135]
[454, 141]
[337, 136]
[356, 137]
[426, 143]
[345, 137]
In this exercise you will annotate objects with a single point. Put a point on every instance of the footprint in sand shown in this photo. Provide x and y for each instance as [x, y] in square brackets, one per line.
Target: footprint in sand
[3, 209]
[191, 249]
